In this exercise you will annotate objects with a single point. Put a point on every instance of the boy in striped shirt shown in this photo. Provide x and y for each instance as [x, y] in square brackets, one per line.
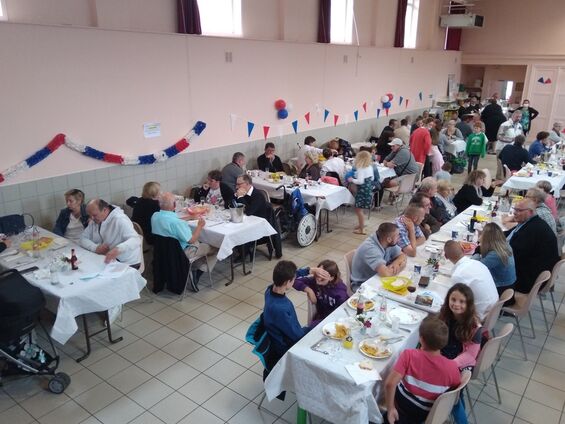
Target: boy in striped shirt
[420, 376]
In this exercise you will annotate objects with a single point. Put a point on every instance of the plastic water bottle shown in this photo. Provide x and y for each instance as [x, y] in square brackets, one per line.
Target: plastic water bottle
[382, 309]
[35, 242]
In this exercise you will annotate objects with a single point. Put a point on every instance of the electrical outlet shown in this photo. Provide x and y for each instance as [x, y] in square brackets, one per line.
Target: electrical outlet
[345, 58]
[228, 57]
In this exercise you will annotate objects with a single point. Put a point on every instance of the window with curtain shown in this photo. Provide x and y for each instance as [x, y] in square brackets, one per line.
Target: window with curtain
[220, 17]
[341, 24]
[411, 24]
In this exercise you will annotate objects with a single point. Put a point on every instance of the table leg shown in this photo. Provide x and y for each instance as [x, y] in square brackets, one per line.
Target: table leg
[231, 271]
[328, 230]
[243, 255]
[88, 336]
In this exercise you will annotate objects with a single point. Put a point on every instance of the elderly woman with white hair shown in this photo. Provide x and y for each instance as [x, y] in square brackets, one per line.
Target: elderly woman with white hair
[429, 186]
[542, 210]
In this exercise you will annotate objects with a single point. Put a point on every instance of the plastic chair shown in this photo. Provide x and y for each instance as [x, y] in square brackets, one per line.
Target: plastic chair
[311, 312]
[488, 178]
[405, 186]
[141, 269]
[524, 304]
[348, 257]
[486, 360]
[548, 288]
[419, 173]
[492, 316]
[191, 262]
[441, 409]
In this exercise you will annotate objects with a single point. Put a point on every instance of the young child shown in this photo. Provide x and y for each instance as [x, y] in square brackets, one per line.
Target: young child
[324, 288]
[445, 173]
[419, 376]
[364, 181]
[279, 315]
[465, 334]
[476, 146]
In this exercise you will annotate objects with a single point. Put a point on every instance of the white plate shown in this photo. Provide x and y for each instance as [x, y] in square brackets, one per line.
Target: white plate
[329, 328]
[406, 316]
[352, 303]
[387, 353]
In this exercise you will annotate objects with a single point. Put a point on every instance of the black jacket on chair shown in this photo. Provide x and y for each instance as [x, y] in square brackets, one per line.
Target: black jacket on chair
[535, 250]
[170, 265]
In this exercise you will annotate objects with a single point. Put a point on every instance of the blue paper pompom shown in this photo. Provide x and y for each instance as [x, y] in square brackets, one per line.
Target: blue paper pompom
[199, 127]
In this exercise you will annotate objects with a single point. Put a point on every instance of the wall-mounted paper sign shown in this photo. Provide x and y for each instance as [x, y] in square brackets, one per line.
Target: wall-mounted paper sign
[151, 130]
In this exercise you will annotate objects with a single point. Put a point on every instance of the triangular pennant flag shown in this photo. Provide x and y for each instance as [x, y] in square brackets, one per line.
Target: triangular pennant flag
[295, 126]
[250, 126]
[336, 118]
[406, 103]
[420, 95]
[307, 117]
[548, 81]
[326, 114]
[540, 79]
[378, 112]
[233, 119]
[365, 107]
[266, 131]
[356, 115]
[386, 110]
[400, 100]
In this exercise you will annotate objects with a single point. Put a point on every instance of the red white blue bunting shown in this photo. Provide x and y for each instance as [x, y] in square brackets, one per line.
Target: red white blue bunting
[62, 139]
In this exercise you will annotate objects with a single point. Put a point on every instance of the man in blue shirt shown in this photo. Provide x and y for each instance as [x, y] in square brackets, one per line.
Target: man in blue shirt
[410, 234]
[166, 223]
[539, 146]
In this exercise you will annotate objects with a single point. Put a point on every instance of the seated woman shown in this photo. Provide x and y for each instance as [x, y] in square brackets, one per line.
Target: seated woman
[144, 207]
[465, 334]
[324, 288]
[214, 191]
[383, 148]
[549, 200]
[342, 147]
[496, 254]
[472, 191]
[311, 168]
[73, 219]
[444, 195]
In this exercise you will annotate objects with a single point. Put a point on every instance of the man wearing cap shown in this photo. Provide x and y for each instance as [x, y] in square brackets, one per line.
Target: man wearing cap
[401, 160]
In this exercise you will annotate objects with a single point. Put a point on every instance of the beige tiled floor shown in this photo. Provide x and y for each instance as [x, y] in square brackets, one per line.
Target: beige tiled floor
[187, 361]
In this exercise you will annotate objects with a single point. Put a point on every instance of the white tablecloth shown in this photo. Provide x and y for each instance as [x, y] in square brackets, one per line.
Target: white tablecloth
[73, 297]
[357, 146]
[322, 384]
[225, 236]
[325, 196]
[524, 183]
[455, 146]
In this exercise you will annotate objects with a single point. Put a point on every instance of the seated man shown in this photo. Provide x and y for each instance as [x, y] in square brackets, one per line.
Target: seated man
[401, 159]
[539, 146]
[410, 234]
[534, 245]
[333, 164]
[555, 135]
[268, 161]
[255, 203]
[279, 315]
[234, 169]
[420, 376]
[110, 232]
[430, 224]
[514, 156]
[378, 254]
[473, 273]
[166, 223]
[214, 191]
[428, 186]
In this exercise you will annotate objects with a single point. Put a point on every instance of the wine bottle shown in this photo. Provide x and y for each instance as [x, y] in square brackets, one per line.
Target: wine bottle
[473, 222]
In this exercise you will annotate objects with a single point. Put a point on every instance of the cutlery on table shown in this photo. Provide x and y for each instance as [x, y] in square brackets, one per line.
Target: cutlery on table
[316, 347]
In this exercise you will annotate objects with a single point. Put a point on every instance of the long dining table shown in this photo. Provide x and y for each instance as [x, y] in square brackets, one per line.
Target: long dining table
[316, 368]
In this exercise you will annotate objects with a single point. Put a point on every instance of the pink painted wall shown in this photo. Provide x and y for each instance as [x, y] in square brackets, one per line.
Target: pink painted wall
[518, 27]
[100, 86]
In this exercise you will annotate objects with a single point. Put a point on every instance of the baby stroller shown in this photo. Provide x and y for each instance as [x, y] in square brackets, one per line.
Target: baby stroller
[20, 304]
[294, 216]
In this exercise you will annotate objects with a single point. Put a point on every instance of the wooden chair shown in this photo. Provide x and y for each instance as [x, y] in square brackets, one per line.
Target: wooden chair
[486, 361]
[492, 316]
[441, 409]
[548, 289]
[419, 174]
[348, 257]
[523, 305]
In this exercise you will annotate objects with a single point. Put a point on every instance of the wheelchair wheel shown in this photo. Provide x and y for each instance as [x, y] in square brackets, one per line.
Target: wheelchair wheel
[306, 230]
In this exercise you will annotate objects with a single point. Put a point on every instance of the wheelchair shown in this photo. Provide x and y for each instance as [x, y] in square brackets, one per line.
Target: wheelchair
[295, 217]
